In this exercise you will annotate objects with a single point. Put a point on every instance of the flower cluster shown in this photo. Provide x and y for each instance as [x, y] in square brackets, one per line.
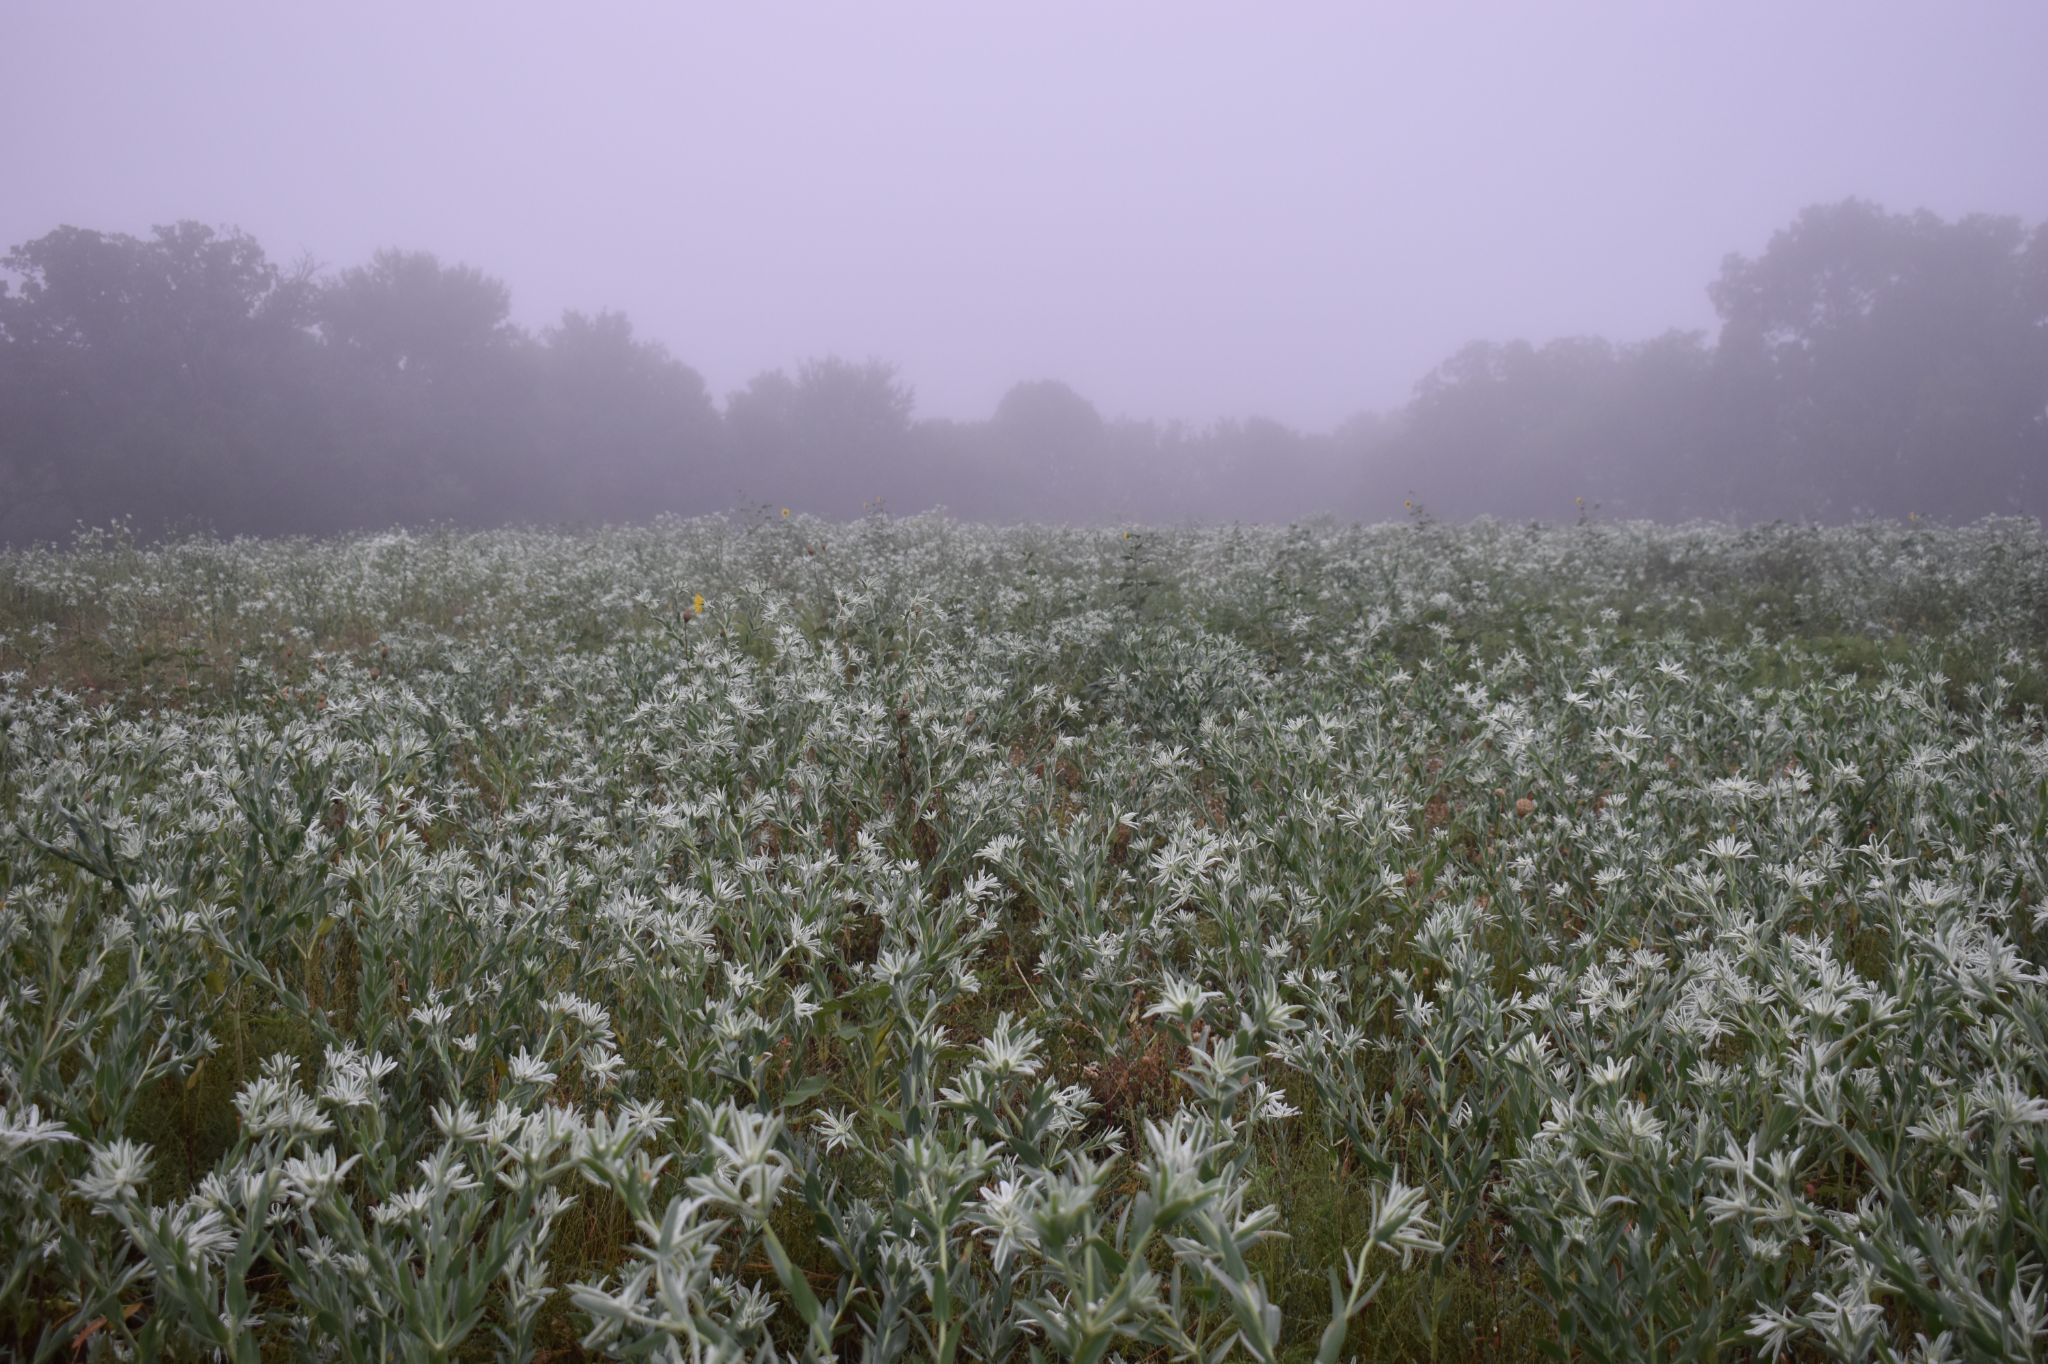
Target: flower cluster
[954, 942]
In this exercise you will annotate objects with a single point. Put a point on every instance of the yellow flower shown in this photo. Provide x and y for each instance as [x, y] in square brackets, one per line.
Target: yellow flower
[697, 604]
[785, 513]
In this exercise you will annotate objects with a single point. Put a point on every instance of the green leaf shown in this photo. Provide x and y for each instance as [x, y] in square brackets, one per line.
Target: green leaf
[805, 1090]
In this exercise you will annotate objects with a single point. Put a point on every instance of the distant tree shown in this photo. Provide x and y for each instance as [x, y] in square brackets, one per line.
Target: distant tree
[1865, 361]
[830, 437]
[1659, 447]
[1508, 426]
[1044, 429]
[405, 311]
[187, 289]
[1047, 418]
[760, 422]
[442, 386]
[861, 408]
[1903, 359]
[630, 430]
[164, 377]
[1517, 429]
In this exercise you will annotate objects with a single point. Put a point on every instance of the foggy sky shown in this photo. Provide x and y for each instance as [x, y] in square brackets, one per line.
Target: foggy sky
[1183, 210]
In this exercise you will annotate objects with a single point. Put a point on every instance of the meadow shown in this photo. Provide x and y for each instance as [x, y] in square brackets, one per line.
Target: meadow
[761, 937]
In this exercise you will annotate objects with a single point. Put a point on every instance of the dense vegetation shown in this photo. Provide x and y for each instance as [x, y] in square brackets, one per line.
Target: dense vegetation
[910, 939]
[1866, 363]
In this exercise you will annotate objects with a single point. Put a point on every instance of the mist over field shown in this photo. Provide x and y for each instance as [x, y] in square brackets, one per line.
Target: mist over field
[273, 269]
[995, 682]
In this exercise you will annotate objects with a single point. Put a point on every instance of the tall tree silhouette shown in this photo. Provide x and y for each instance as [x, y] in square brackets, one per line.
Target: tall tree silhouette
[625, 424]
[150, 374]
[1903, 359]
[442, 382]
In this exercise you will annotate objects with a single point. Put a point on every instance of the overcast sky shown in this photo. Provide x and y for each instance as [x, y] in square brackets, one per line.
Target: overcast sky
[1185, 210]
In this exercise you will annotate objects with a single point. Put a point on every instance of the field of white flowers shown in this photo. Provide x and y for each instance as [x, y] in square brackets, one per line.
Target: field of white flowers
[911, 940]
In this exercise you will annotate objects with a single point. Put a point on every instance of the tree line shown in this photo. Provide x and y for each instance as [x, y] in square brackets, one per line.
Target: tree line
[1866, 362]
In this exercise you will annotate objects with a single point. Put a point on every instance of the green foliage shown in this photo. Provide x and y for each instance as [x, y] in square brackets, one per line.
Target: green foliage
[942, 942]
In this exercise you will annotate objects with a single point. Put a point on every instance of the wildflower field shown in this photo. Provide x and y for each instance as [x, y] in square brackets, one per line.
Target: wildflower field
[738, 939]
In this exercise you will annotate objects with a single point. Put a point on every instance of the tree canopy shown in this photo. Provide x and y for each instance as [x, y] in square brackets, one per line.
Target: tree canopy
[1865, 362]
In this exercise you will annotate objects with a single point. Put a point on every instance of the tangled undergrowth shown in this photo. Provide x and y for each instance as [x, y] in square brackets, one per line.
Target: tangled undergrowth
[916, 940]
